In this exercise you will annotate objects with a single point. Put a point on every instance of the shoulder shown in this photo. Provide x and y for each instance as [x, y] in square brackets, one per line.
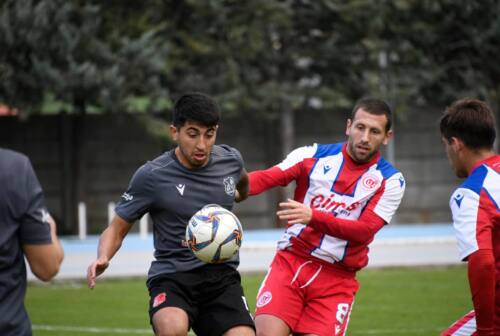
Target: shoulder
[14, 165]
[151, 168]
[322, 150]
[388, 170]
[225, 151]
[475, 180]
[13, 157]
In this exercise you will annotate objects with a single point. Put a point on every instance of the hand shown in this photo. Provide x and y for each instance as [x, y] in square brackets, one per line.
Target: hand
[95, 269]
[295, 212]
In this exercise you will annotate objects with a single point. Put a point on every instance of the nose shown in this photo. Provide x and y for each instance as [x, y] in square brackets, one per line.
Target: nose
[365, 135]
[201, 144]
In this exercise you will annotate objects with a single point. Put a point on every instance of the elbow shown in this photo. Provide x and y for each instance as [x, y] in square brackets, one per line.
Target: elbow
[46, 274]
[48, 270]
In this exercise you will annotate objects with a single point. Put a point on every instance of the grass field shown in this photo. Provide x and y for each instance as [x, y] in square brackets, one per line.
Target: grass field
[399, 301]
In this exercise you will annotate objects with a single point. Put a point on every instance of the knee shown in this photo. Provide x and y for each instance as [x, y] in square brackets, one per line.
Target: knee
[170, 332]
[170, 321]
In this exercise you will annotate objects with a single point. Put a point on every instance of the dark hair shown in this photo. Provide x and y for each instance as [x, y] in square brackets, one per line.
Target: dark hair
[471, 121]
[374, 106]
[196, 107]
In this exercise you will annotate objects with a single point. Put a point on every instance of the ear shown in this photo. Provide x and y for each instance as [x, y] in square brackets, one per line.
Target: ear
[456, 144]
[348, 127]
[174, 132]
[388, 136]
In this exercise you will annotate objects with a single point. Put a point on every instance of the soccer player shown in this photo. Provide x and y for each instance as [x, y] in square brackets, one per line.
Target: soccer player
[468, 133]
[345, 193]
[185, 292]
[27, 230]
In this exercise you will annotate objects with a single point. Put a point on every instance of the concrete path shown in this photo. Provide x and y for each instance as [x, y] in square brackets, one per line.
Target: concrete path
[394, 245]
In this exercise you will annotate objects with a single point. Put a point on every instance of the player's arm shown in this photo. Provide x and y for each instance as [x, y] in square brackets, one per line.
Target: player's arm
[45, 259]
[358, 231]
[37, 230]
[109, 243]
[481, 274]
[377, 212]
[474, 229]
[281, 174]
[242, 187]
[136, 201]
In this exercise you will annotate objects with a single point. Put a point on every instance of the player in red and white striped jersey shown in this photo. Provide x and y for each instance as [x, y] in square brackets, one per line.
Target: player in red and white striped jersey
[344, 194]
[468, 132]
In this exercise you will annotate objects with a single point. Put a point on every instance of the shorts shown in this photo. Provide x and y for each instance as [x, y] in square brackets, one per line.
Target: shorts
[211, 296]
[307, 295]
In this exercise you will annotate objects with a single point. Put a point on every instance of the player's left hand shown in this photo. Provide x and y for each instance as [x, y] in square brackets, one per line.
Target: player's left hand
[295, 212]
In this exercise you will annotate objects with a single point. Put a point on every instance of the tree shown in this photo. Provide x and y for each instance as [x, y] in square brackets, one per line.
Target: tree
[62, 48]
[64, 51]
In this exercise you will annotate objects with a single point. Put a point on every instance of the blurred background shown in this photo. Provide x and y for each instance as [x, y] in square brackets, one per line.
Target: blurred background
[86, 87]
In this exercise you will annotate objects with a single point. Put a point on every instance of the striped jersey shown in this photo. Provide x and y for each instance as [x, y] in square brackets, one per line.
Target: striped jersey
[350, 202]
[475, 209]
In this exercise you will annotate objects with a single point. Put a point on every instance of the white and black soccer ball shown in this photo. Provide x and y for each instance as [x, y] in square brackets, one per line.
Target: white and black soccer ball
[214, 234]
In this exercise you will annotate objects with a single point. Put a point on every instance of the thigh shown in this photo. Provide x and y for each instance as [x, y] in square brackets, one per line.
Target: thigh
[329, 303]
[170, 321]
[223, 307]
[169, 299]
[279, 296]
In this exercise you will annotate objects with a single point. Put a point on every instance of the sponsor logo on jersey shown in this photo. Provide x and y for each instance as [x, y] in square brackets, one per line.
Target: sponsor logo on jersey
[159, 299]
[229, 186]
[264, 299]
[370, 181]
[321, 202]
[127, 196]
[458, 199]
[180, 188]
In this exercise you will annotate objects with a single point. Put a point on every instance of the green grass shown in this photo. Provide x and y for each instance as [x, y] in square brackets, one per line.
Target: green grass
[399, 301]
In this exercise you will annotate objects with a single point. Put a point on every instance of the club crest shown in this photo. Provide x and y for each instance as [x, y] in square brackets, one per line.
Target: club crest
[229, 185]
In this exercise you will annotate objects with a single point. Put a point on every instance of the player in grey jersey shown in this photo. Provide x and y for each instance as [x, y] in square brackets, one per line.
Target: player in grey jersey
[185, 292]
[26, 230]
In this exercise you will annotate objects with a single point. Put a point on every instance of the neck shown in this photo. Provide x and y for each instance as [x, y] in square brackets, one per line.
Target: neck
[473, 158]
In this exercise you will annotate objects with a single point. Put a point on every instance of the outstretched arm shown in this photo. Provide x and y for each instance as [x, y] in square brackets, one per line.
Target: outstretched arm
[109, 243]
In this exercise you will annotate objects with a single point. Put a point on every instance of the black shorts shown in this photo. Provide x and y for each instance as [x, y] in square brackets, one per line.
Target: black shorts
[211, 296]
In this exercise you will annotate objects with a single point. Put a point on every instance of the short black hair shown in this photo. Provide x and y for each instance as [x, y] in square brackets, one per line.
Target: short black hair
[471, 121]
[196, 107]
[374, 106]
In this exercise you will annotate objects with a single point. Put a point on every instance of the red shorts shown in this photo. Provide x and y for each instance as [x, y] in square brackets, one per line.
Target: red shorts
[308, 296]
[466, 326]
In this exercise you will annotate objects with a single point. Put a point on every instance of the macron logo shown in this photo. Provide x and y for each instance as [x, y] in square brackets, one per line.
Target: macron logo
[458, 199]
[326, 169]
[180, 188]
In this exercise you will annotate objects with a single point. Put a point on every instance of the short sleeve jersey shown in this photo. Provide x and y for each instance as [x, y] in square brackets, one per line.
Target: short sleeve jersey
[475, 209]
[23, 220]
[328, 180]
[171, 194]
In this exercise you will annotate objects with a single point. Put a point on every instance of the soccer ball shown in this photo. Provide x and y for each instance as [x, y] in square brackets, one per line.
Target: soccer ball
[214, 234]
